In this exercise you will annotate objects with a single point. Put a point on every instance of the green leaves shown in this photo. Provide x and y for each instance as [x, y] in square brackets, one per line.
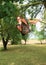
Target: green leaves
[8, 15]
[8, 0]
[7, 9]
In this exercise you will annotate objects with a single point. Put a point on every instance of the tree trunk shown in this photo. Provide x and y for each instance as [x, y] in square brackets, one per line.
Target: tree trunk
[5, 42]
[25, 42]
[41, 42]
[44, 3]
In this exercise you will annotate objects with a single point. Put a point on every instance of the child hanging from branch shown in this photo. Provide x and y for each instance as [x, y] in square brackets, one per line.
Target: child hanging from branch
[22, 25]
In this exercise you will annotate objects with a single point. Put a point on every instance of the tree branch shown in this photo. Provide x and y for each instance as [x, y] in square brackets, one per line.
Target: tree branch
[29, 4]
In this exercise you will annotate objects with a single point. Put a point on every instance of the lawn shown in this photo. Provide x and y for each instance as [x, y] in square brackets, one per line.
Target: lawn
[23, 55]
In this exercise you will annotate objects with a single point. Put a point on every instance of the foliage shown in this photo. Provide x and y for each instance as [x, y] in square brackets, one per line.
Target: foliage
[8, 21]
[7, 9]
[41, 35]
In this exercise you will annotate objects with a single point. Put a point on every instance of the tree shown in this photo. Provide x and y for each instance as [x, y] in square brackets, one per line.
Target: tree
[9, 31]
[8, 14]
[41, 34]
[25, 37]
[8, 22]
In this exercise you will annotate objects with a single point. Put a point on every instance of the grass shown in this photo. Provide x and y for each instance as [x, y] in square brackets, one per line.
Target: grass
[23, 55]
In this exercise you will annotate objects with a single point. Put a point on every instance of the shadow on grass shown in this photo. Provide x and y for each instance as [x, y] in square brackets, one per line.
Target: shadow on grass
[11, 47]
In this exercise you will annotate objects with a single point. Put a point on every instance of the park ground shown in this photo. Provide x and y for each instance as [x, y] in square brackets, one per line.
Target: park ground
[23, 55]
